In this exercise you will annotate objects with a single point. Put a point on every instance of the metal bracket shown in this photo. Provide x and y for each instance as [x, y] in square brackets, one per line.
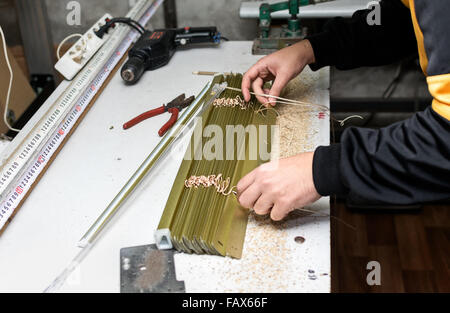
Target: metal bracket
[145, 269]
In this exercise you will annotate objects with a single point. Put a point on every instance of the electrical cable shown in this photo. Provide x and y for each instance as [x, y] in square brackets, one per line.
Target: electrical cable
[137, 28]
[128, 21]
[387, 92]
[8, 94]
[394, 82]
[138, 25]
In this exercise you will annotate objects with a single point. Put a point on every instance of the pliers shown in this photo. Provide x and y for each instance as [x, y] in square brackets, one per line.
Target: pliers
[174, 107]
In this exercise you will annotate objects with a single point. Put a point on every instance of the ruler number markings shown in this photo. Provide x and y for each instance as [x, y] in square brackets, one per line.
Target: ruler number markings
[20, 189]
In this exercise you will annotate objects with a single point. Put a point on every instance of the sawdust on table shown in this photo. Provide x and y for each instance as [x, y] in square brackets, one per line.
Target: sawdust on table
[295, 131]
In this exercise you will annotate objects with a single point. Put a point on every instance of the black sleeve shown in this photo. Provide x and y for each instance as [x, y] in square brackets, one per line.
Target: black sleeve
[350, 43]
[407, 162]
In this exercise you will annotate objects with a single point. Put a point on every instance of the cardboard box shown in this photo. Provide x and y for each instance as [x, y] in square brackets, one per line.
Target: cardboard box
[22, 95]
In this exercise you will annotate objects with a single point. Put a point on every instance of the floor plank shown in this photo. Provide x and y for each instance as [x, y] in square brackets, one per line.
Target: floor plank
[419, 281]
[412, 243]
[413, 249]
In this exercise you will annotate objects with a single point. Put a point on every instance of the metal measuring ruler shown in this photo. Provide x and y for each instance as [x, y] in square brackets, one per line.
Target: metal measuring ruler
[30, 158]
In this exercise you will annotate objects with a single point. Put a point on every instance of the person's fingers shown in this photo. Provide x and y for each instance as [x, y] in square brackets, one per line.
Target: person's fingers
[279, 211]
[263, 205]
[281, 80]
[247, 80]
[257, 88]
[245, 182]
[266, 101]
[248, 198]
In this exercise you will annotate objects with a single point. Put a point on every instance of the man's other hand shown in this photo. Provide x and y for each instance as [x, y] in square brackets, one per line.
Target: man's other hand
[279, 187]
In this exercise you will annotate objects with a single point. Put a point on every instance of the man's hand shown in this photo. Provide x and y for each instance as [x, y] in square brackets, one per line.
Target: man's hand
[281, 66]
[279, 187]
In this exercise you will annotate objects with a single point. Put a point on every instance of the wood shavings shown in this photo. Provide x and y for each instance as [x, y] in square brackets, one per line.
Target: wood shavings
[231, 103]
[217, 181]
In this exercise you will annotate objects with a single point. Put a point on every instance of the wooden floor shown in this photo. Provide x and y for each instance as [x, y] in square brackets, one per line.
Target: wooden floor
[412, 248]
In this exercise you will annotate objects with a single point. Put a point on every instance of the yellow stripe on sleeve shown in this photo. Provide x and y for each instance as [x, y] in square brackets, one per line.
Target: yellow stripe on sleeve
[439, 87]
[406, 3]
[419, 36]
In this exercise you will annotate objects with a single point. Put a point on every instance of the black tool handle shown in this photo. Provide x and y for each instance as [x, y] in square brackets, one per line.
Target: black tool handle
[193, 35]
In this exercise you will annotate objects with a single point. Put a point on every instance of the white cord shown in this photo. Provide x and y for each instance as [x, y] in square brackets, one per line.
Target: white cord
[300, 103]
[283, 100]
[342, 122]
[64, 41]
[8, 95]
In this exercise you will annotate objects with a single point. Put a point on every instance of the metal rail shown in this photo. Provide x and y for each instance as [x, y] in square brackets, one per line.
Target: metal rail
[93, 232]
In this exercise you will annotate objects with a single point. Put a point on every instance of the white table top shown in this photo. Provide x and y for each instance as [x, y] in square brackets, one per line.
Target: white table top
[97, 161]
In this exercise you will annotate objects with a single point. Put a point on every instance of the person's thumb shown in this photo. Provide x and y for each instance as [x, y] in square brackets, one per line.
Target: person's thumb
[277, 87]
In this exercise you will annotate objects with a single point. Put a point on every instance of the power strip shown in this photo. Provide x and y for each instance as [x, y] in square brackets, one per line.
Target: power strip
[82, 51]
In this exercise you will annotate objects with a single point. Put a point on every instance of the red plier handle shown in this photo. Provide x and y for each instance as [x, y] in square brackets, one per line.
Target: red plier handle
[144, 116]
[152, 113]
[170, 123]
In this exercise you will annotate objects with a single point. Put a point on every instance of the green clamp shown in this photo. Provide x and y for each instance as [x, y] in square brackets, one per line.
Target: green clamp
[265, 19]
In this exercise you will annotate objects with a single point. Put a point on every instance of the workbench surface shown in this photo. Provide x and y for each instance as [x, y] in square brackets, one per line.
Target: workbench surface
[98, 160]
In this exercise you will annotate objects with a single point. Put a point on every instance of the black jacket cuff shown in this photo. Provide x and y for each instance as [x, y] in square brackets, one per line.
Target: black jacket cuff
[322, 44]
[326, 171]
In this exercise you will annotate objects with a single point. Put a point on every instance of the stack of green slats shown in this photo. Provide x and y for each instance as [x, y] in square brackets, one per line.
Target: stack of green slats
[201, 220]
